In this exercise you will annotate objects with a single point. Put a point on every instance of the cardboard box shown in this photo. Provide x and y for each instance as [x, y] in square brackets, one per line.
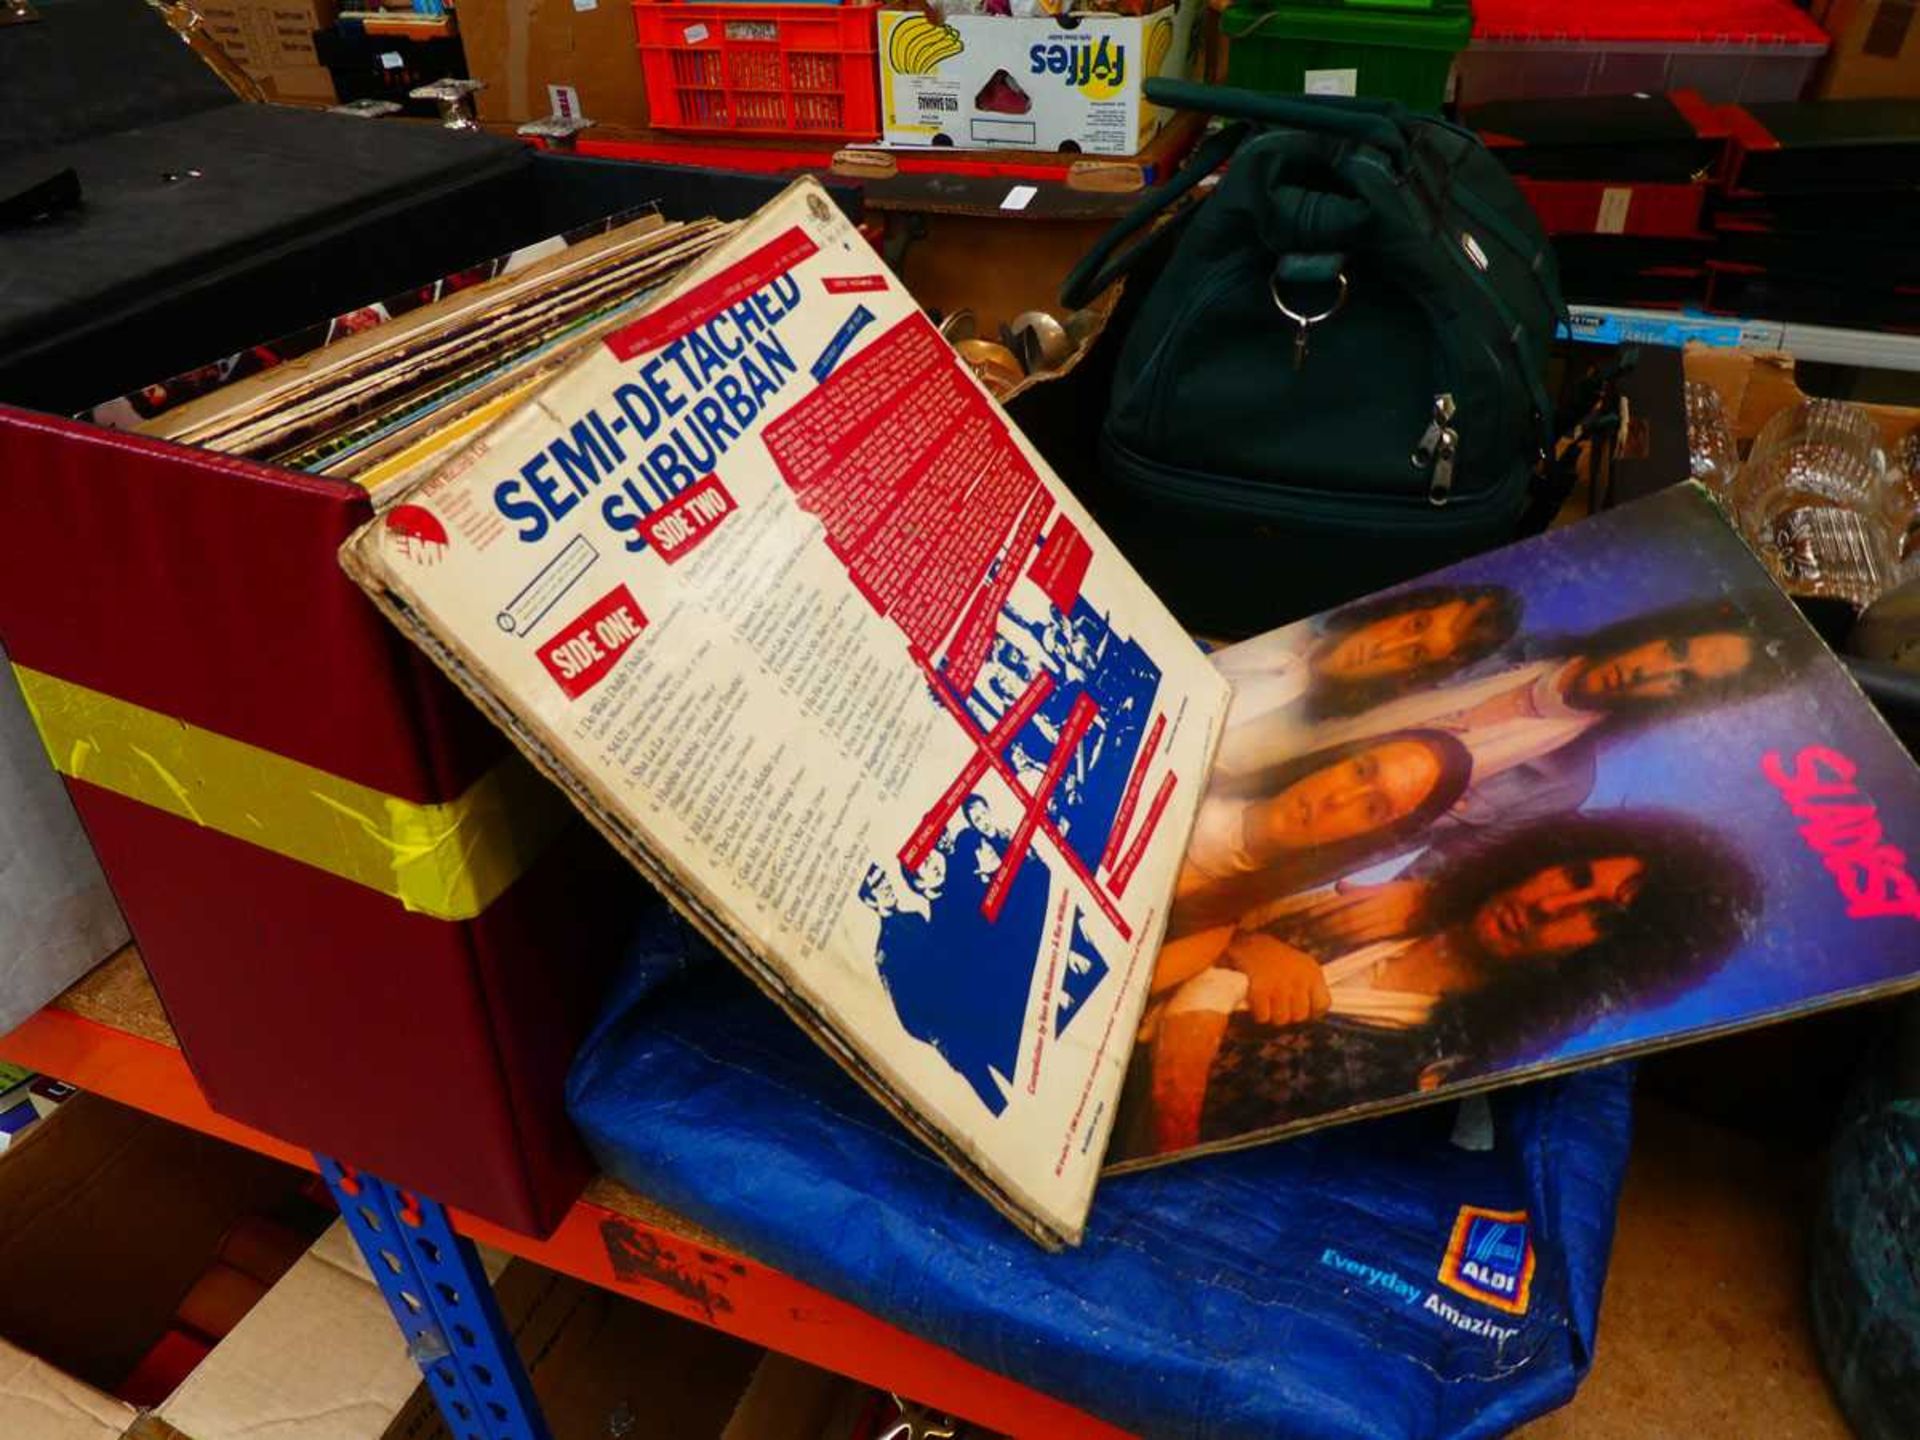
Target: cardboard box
[114, 1220]
[1754, 386]
[604, 1365]
[300, 85]
[40, 1401]
[57, 916]
[1063, 83]
[272, 40]
[267, 35]
[1876, 49]
[318, 1358]
[545, 57]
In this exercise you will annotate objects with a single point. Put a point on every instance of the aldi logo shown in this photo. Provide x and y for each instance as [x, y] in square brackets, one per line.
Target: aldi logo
[1490, 1258]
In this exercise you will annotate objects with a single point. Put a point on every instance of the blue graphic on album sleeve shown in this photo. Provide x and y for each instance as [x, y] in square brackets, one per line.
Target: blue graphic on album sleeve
[843, 337]
[1086, 968]
[1082, 654]
[958, 981]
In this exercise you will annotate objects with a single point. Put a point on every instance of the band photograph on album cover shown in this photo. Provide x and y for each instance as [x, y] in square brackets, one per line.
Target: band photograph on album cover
[1591, 794]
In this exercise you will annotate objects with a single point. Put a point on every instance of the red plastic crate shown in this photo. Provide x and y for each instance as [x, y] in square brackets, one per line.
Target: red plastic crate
[761, 69]
[1664, 22]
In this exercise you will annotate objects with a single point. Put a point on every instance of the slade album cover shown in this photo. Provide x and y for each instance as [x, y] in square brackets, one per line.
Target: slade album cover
[1595, 793]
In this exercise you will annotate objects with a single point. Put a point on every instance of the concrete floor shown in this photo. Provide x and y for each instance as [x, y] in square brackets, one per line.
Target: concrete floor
[1704, 1331]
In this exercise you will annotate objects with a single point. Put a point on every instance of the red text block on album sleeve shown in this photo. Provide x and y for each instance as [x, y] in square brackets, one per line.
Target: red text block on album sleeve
[582, 651]
[1061, 566]
[732, 286]
[686, 520]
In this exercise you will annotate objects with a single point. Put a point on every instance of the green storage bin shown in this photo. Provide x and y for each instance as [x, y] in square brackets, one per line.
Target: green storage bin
[1393, 53]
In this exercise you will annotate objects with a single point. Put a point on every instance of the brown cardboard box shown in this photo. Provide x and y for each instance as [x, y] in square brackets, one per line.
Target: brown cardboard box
[536, 55]
[300, 85]
[319, 1358]
[1876, 49]
[1753, 387]
[114, 1217]
[110, 1219]
[38, 1400]
[272, 40]
[113, 1220]
[789, 1400]
[604, 1365]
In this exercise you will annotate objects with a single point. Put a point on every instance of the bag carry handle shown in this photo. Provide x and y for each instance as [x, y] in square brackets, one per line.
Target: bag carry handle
[1370, 122]
[1351, 117]
[1106, 262]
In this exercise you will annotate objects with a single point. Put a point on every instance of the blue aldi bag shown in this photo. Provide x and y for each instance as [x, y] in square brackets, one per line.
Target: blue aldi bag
[1432, 1274]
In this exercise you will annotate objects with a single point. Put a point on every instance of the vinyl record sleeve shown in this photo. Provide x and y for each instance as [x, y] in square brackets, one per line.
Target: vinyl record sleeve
[770, 584]
[1594, 794]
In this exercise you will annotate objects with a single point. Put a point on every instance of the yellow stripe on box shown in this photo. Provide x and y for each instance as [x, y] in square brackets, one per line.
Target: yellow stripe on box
[449, 860]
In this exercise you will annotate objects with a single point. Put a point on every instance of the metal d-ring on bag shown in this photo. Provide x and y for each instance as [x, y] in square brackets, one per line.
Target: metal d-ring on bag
[1305, 322]
[1335, 377]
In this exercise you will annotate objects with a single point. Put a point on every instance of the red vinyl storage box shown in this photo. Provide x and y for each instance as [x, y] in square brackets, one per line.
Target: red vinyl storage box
[375, 930]
[282, 797]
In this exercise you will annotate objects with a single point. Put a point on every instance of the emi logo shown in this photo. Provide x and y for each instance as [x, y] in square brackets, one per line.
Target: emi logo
[1490, 1258]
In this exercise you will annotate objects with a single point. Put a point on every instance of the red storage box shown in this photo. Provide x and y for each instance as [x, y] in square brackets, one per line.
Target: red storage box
[376, 932]
[1728, 50]
[1599, 207]
[761, 69]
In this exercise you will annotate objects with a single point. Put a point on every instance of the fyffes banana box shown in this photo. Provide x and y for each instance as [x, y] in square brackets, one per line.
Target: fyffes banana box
[1064, 82]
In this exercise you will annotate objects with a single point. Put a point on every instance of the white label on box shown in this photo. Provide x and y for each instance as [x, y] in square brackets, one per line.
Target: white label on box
[1615, 201]
[694, 34]
[1333, 82]
[584, 5]
[391, 59]
[565, 101]
[1019, 197]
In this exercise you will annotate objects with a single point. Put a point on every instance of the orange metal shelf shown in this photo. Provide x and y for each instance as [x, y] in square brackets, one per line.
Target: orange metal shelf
[613, 1238]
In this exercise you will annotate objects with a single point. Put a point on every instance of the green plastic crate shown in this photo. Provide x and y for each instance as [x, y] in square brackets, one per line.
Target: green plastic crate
[1389, 54]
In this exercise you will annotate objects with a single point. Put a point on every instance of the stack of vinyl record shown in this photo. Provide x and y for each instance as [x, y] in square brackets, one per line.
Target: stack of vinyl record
[1818, 218]
[379, 394]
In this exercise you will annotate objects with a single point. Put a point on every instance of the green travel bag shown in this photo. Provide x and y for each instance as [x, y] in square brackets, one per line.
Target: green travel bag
[1336, 378]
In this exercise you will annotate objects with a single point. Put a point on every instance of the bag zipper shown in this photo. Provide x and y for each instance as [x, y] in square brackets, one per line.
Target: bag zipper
[1439, 443]
[1440, 484]
[1440, 487]
[1437, 447]
[1503, 315]
[1265, 502]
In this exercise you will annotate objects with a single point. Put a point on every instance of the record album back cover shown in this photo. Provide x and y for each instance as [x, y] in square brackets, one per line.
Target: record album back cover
[773, 587]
